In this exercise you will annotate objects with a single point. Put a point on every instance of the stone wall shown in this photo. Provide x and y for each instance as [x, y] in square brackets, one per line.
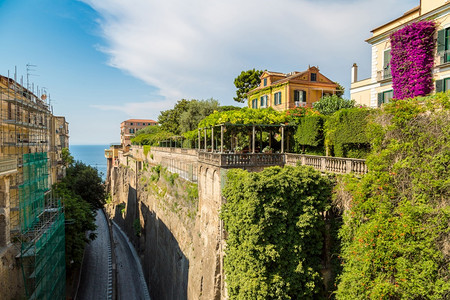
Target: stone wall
[180, 241]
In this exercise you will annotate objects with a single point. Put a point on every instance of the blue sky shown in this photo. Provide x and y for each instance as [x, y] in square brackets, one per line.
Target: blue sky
[105, 61]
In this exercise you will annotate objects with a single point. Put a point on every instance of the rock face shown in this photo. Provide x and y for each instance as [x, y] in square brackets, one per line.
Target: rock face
[173, 223]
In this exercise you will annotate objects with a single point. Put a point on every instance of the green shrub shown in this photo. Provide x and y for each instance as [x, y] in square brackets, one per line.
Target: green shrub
[328, 105]
[309, 134]
[274, 224]
[346, 132]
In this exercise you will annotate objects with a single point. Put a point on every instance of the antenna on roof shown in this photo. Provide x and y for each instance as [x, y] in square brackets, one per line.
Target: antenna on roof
[29, 70]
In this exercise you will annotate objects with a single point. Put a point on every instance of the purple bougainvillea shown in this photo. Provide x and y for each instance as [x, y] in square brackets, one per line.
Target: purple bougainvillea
[412, 60]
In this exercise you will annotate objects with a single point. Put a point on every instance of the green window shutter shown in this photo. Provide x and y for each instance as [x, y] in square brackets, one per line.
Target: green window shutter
[439, 86]
[380, 99]
[441, 41]
[279, 97]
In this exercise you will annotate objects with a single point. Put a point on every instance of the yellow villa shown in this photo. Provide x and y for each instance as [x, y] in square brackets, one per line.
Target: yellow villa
[377, 89]
[285, 91]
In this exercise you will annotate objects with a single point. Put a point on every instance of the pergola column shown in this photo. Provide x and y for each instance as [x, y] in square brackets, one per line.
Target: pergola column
[212, 139]
[221, 138]
[253, 139]
[205, 140]
[199, 139]
[270, 138]
[282, 138]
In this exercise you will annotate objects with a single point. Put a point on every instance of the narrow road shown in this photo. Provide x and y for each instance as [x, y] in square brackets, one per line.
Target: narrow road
[96, 271]
[130, 279]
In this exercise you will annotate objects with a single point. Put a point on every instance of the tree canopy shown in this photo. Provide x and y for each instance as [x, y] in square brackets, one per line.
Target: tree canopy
[86, 182]
[245, 82]
[186, 115]
[151, 135]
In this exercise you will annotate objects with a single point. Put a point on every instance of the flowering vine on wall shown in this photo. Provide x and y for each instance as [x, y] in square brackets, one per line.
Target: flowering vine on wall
[412, 59]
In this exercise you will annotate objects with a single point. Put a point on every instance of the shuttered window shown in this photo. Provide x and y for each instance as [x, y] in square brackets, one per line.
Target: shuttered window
[443, 85]
[387, 64]
[263, 101]
[255, 103]
[299, 96]
[443, 45]
[385, 97]
[277, 98]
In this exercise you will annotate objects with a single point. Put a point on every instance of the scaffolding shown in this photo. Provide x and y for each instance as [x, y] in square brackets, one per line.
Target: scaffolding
[36, 218]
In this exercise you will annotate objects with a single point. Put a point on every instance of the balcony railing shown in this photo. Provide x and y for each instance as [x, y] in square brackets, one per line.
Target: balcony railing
[300, 104]
[384, 74]
[239, 160]
[322, 163]
[7, 165]
[330, 164]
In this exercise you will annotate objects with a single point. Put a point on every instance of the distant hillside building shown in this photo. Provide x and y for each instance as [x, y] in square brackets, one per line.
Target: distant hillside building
[129, 127]
[377, 89]
[295, 89]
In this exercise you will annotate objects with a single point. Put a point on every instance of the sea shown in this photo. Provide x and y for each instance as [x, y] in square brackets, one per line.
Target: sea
[93, 155]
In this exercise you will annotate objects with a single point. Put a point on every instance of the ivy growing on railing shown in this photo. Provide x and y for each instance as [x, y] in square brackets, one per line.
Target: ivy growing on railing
[412, 60]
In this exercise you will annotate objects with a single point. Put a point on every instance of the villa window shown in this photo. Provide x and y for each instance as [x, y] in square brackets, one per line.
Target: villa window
[277, 98]
[300, 98]
[263, 103]
[131, 123]
[443, 45]
[387, 64]
[255, 103]
[265, 81]
[385, 97]
[131, 130]
[443, 85]
[313, 77]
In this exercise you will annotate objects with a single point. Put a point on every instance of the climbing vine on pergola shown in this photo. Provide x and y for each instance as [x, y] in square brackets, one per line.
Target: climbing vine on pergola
[250, 122]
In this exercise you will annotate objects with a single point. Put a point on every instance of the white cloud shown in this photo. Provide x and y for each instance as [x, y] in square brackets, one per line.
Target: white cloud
[194, 49]
[140, 110]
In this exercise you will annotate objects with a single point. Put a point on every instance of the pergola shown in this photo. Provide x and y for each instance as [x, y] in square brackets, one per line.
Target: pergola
[281, 127]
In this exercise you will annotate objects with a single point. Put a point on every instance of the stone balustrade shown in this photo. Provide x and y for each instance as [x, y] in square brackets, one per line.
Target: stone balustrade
[326, 163]
[242, 160]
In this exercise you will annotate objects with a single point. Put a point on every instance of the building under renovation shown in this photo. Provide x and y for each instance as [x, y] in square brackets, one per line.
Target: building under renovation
[32, 239]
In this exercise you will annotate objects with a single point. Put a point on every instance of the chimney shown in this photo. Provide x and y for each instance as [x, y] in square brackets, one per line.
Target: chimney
[354, 73]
